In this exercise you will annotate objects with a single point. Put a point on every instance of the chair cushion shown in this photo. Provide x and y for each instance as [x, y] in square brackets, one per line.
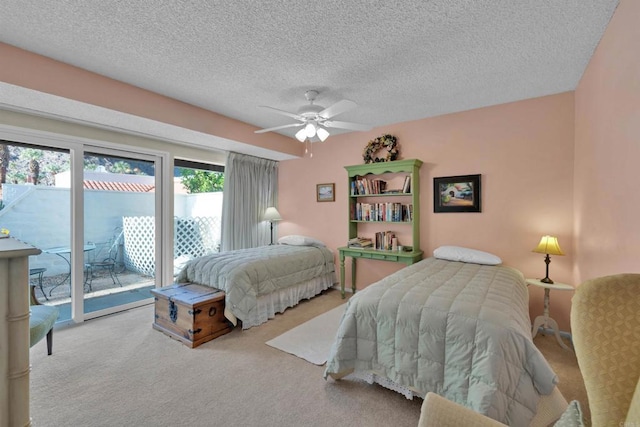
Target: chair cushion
[41, 321]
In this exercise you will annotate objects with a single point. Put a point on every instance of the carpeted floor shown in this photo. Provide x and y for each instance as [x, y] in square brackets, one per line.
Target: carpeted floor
[117, 371]
[565, 364]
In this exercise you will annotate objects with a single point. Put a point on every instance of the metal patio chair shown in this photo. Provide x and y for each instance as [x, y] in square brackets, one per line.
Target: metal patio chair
[105, 261]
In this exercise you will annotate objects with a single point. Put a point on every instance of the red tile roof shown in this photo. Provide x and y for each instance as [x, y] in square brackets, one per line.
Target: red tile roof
[118, 186]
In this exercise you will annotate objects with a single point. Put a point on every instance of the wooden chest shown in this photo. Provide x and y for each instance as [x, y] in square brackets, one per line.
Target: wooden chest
[192, 314]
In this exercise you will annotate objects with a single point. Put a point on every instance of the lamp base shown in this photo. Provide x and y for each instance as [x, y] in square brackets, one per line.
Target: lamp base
[546, 279]
[271, 224]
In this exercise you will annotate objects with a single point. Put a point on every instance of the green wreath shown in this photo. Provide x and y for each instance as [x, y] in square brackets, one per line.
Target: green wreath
[387, 142]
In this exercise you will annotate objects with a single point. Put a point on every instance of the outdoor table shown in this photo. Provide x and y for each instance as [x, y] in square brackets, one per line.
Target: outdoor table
[62, 252]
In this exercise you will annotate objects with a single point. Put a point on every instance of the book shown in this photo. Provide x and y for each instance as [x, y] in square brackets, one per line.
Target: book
[406, 188]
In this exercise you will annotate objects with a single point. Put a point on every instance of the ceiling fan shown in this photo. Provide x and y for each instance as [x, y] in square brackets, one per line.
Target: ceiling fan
[315, 119]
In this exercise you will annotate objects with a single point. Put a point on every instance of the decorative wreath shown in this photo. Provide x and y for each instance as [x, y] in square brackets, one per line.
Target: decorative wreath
[387, 142]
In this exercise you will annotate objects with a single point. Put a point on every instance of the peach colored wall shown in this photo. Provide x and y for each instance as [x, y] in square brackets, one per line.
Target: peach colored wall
[607, 157]
[29, 70]
[524, 151]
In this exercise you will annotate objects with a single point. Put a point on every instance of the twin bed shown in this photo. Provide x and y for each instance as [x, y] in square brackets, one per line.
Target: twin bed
[260, 282]
[458, 329]
[451, 324]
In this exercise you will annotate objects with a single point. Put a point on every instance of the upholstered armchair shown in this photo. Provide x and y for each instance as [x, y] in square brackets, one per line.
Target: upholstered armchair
[41, 321]
[605, 323]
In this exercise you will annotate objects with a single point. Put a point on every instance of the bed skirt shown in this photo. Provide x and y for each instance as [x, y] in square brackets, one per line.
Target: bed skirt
[277, 302]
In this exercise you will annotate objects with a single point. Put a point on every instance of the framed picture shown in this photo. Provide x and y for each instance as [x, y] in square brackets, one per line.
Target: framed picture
[456, 193]
[325, 192]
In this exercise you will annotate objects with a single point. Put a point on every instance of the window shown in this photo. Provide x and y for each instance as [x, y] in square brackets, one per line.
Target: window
[197, 210]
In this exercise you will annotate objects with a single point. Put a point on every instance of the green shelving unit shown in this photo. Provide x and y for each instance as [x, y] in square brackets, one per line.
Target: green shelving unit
[356, 174]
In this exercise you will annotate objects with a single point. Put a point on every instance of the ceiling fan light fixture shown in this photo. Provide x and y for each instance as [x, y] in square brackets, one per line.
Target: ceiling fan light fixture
[310, 130]
[314, 119]
[301, 135]
[323, 134]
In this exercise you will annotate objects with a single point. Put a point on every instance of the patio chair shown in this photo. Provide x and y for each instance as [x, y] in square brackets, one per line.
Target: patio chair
[107, 261]
[40, 273]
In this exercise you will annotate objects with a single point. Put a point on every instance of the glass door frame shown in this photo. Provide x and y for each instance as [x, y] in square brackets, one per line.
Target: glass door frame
[163, 206]
[77, 303]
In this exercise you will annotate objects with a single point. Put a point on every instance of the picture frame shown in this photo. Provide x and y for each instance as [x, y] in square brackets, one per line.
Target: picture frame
[460, 193]
[325, 192]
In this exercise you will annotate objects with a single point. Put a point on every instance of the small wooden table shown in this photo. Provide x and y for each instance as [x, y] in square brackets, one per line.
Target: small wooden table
[407, 258]
[544, 319]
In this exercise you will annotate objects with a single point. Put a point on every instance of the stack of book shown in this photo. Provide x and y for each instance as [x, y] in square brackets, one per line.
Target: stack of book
[363, 186]
[393, 212]
[360, 242]
[385, 240]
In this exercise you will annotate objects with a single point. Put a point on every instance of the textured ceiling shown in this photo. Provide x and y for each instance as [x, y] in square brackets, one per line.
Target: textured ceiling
[398, 60]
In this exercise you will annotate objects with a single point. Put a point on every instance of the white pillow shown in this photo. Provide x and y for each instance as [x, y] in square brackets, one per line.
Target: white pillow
[572, 416]
[457, 253]
[296, 240]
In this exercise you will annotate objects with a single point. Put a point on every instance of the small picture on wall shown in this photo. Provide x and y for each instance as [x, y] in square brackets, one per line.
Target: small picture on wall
[456, 193]
[325, 192]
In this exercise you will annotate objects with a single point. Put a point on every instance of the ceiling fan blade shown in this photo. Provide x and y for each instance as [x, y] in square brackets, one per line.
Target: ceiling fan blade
[286, 113]
[295, 125]
[346, 125]
[337, 108]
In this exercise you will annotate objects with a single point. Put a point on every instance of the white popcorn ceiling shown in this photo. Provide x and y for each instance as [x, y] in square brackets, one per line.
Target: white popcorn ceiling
[398, 60]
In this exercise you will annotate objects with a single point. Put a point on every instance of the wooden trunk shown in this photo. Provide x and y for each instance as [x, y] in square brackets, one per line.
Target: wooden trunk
[192, 314]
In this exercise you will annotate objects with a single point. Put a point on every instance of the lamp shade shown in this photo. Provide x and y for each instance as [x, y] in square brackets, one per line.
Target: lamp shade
[310, 130]
[548, 245]
[301, 135]
[272, 214]
[323, 134]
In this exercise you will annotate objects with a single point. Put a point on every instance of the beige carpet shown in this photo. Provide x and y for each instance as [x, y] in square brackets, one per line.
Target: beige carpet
[118, 371]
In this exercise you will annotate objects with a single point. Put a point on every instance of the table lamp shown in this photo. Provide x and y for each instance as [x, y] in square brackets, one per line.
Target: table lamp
[549, 246]
[272, 215]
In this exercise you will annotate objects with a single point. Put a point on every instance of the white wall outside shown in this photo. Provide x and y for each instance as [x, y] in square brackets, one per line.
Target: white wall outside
[40, 216]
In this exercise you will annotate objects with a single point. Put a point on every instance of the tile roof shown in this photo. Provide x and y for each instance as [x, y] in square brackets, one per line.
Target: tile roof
[118, 186]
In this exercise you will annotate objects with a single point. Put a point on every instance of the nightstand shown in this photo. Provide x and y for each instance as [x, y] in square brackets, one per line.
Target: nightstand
[544, 319]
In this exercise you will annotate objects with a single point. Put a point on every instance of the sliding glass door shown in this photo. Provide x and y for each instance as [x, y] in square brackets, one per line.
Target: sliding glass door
[35, 206]
[120, 220]
[96, 214]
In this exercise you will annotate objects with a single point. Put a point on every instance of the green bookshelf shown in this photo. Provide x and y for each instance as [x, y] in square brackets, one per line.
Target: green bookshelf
[371, 202]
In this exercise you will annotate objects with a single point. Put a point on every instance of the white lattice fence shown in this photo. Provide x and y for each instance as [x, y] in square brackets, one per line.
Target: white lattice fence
[194, 237]
[139, 242]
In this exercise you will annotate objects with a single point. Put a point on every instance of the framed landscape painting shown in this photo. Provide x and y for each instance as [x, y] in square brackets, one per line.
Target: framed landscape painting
[456, 193]
[325, 192]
